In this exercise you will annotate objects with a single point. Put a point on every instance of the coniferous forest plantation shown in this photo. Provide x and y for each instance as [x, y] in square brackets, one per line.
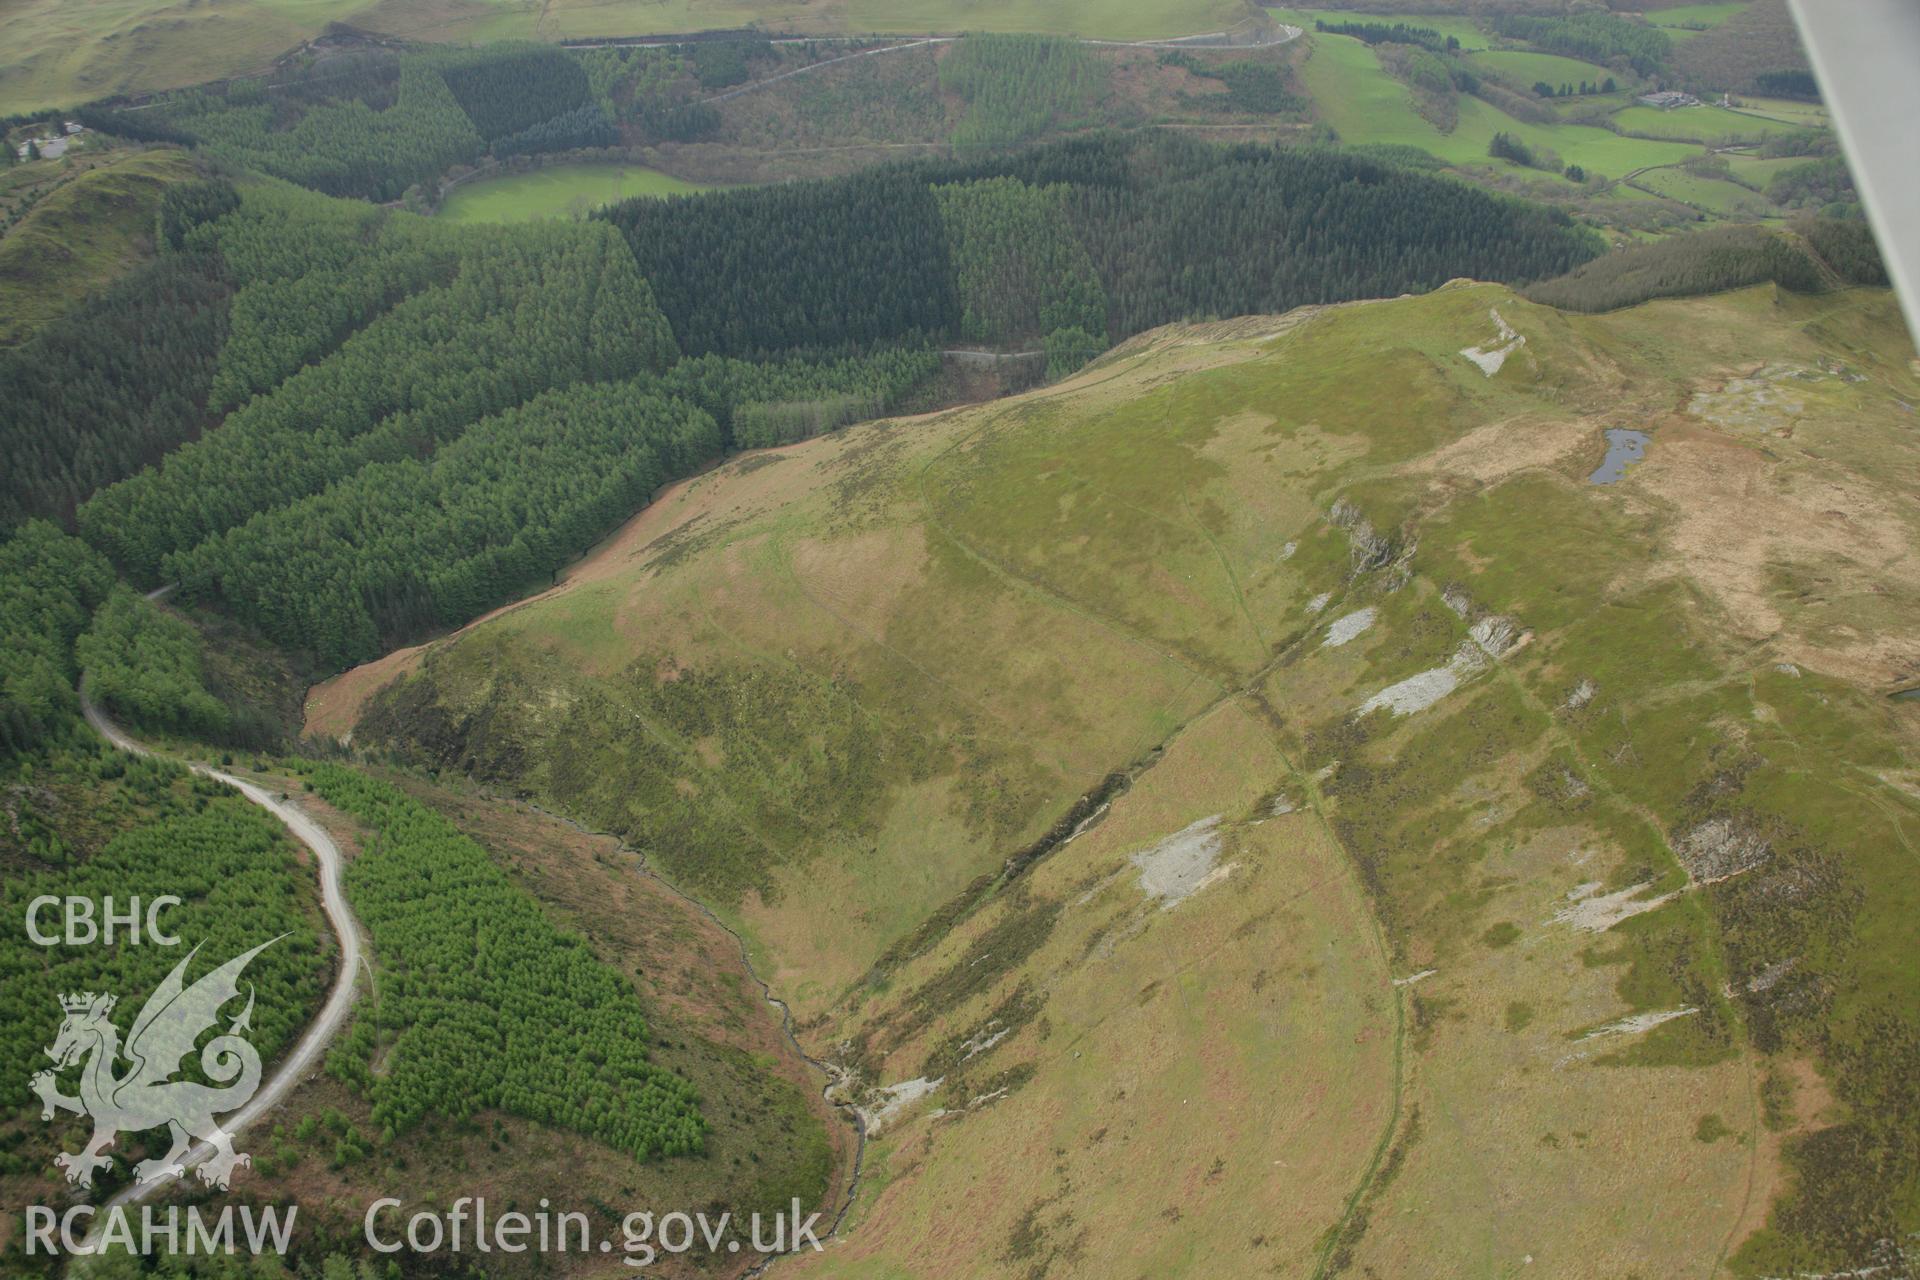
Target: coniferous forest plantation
[374, 368]
[1080, 651]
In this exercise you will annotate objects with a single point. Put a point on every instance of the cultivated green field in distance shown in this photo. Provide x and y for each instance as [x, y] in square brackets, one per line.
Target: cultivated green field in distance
[1645, 123]
[1613, 118]
[1694, 17]
[564, 190]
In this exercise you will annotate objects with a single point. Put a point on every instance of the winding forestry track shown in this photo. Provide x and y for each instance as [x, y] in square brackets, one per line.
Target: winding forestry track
[295, 1066]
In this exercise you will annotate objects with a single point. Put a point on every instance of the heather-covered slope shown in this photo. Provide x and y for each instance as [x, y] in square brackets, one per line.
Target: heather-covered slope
[1259, 806]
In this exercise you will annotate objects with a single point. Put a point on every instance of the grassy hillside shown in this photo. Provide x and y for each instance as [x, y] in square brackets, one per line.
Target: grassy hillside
[81, 236]
[58, 55]
[1035, 748]
[573, 19]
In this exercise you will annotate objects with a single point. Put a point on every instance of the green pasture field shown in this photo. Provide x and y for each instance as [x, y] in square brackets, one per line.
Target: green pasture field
[1727, 199]
[1712, 125]
[557, 191]
[1691, 17]
[1522, 68]
[1366, 105]
[1758, 172]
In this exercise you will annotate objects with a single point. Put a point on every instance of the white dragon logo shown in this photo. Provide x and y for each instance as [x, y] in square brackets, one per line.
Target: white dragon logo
[147, 1097]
